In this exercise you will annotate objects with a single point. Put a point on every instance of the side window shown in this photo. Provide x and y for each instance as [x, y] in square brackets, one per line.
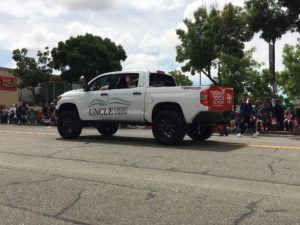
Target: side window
[127, 80]
[102, 83]
[161, 80]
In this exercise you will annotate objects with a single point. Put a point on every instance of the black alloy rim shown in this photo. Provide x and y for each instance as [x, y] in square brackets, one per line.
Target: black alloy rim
[166, 127]
[66, 125]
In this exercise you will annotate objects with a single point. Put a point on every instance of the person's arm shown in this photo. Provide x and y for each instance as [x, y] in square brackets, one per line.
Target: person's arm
[104, 87]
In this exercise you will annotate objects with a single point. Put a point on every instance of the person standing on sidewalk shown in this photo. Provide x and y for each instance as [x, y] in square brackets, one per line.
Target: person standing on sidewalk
[246, 112]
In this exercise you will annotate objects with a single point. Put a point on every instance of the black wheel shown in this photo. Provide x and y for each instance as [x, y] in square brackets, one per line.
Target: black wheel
[69, 125]
[168, 128]
[107, 129]
[200, 133]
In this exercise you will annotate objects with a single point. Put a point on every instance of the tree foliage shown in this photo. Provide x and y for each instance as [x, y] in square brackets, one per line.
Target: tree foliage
[180, 78]
[45, 64]
[260, 85]
[293, 11]
[87, 56]
[269, 17]
[31, 72]
[243, 74]
[209, 35]
[289, 79]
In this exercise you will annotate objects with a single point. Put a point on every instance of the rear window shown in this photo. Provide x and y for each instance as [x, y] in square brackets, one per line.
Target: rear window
[161, 80]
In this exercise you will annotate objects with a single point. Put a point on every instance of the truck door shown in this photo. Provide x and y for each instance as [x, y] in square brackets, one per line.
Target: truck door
[94, 105]
[126, 98]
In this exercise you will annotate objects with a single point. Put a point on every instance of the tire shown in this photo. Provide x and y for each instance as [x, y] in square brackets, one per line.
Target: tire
[69, 125]
[168, 128]
[200, 133]
[107, 129]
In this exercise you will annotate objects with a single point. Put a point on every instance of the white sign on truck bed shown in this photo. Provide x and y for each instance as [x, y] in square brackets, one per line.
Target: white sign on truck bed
[144, 97]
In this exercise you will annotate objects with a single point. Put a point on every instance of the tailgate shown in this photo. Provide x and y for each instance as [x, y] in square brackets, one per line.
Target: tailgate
[220, 98]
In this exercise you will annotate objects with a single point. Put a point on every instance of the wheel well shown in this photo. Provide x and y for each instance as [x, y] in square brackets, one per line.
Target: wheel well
[67, 107]
[167, 106]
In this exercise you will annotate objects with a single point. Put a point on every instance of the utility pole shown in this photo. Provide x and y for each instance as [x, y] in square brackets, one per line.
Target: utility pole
[272, 68]
[200, 78]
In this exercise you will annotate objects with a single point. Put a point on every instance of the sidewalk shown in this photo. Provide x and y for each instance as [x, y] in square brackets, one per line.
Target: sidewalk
[269, 132]
[281, 132]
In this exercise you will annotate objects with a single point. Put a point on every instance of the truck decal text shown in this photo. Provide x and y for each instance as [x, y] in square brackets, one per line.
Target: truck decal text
[110, 111]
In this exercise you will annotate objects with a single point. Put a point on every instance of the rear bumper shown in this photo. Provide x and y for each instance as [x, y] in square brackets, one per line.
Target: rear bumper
[212, 117]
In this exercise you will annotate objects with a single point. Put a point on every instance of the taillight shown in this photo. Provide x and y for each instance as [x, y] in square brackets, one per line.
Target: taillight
[204, 97]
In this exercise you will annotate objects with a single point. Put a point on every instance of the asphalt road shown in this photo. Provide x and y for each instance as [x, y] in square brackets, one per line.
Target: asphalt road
[130, 179]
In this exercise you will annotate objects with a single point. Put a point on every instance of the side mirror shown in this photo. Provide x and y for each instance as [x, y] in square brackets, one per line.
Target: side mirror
[86, 88]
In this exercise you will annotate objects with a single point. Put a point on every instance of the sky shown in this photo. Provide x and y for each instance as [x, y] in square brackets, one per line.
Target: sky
[145, 28]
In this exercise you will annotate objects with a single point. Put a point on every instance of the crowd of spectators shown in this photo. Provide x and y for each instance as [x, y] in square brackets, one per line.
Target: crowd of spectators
[260, 116]
[24, 114]
[263, 116]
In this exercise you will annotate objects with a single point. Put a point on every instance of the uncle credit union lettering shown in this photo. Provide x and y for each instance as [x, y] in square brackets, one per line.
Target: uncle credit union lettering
[95, 112]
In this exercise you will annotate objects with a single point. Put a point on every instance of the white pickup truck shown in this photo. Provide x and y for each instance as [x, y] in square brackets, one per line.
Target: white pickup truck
[144, 98]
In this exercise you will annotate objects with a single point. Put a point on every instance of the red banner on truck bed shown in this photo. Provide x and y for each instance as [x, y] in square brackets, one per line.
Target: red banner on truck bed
[221, 98]
[8, 83]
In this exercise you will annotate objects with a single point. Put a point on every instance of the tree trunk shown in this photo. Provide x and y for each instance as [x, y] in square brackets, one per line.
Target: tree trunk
[32, 89]
[219, 73]
[209, 76]
[46, 93]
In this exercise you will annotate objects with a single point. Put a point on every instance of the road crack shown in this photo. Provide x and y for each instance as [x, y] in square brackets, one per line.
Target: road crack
[275, 210]
[31, 182]
[69, 206]
[252, 206]
[44, 214]
[270, 165]
[150, 168]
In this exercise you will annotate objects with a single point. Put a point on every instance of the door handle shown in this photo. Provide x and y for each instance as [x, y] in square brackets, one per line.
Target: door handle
[137, 93]
[104, 94]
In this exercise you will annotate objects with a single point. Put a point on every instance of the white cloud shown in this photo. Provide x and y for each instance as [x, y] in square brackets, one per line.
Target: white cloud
[146, 29]
[159, 5]
[93, 5]
[164, 42]
[144, 62]
[10, 64]
[192, 7]
[20, 8]
[262, 49]
[37, 38]
[55, 8]
[118, 36]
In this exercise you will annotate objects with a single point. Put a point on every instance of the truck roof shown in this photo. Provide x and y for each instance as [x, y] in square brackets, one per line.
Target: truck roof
[134, 71]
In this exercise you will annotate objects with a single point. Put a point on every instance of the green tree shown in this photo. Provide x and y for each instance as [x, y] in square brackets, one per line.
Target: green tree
[271, 19]
[87, 56]
[29, 71]
[180, 78]
[236, 72]
[260, 85]
[289, 79]
[209, 35]
[46, 68]
[293, 11]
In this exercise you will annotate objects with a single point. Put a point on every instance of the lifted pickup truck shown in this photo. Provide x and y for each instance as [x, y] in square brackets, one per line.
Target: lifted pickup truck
[149, 98]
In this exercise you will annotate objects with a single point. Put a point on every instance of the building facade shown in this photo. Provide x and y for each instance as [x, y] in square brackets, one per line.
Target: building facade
[11, 94]
[8, 87]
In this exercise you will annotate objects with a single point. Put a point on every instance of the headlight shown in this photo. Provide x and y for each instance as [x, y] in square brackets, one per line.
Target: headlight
[59, 97]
